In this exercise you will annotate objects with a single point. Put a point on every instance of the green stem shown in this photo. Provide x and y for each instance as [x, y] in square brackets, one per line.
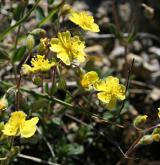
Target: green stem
[72, 107]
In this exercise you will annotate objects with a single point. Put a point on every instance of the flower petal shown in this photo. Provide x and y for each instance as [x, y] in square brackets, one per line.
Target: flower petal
[29, 127]
[104, 97]
[112, 103]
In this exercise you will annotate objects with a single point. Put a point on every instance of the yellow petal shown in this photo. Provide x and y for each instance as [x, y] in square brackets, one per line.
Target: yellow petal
[84, 20]
[26, 69]
[29, 127]
[104, 97]
[100, 85]
[17, 119]
[64, 57]
[10, 129]
[89, 79]
[112, 80]
[121, 92]
[69, 49]
[112, 103]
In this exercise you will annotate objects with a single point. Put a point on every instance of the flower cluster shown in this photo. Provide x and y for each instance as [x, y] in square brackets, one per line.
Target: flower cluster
[109, 90]
[154, 136]
[18, 125]
[149, 138]
[69, 49]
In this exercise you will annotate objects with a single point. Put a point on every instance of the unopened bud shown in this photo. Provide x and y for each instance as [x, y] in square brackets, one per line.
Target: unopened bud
[37, 81]
[38, 32]
[146, 139]
[156, 130]
[3, 103]
[156, 137]
[30, 42]
[139, 120]
[66, 9]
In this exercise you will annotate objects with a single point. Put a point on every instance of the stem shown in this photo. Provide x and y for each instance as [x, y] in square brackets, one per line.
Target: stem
[53, 79]
[18, 31]
[115, 16]
[18, 93]
[127, 85]
[135, 143]
[35, 159]
[130, 150]
[77, 109]
[19, 27]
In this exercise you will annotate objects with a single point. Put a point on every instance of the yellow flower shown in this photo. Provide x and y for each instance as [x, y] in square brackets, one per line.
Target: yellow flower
[89, 79]
[3, 103]
[39, 63]
[18, 125]
[69, 49]
[110, 91]
[84, 20]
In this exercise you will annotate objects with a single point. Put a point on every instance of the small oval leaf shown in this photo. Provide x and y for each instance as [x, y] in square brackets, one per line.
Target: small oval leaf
[18, 54]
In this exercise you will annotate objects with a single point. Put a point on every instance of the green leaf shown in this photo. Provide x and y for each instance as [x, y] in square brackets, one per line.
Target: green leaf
[57, 121]
[113, 29]
[71, 149]
[108, 116]
[68, 97]
[50, 15]
[75, 149]
[39, 13]
[132, 36]
[18, 54]
[62, 83]
[18, 12]
[50, 1]
[4, 55]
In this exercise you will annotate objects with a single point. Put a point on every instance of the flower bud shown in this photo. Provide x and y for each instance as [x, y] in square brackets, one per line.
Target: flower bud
[66, 9]
[156, 137]
[139, 120]
[38, 32]
[37, 81]
[3, 103]
[156, 130]
[30, 42]
[146, 139]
